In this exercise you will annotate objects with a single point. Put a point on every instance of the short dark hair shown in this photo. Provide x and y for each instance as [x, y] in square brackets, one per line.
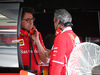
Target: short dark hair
[27, 10]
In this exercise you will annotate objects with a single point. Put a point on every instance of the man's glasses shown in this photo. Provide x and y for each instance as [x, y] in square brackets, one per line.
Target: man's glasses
[29, 20]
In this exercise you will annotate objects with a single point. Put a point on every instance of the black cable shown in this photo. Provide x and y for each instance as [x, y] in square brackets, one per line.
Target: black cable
[30, 53]
[42, 70]
[35, 56]
[33, 51]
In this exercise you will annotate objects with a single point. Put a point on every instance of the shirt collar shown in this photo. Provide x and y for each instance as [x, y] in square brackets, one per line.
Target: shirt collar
[66, 29]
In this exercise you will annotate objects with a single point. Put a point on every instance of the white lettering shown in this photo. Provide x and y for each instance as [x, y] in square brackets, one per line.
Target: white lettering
[28, 51]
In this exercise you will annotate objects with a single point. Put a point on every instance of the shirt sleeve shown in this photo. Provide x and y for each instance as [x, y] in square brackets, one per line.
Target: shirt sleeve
[41, 40]
[57, 56]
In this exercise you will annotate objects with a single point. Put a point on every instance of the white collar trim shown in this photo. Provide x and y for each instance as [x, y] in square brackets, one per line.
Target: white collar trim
[66, 29]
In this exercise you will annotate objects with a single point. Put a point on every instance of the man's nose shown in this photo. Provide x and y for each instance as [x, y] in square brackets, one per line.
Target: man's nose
[31, 22]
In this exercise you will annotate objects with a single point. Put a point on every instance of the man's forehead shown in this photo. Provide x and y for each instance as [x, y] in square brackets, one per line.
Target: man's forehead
[28, 15]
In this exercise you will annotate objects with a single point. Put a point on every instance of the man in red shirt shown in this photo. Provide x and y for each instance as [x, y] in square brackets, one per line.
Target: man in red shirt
[64, 42]
[28, 44]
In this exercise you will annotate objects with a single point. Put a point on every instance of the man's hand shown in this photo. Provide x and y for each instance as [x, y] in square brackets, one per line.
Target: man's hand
[35, 36]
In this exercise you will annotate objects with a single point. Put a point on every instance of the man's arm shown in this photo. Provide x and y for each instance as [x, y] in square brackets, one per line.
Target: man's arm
[44, 54]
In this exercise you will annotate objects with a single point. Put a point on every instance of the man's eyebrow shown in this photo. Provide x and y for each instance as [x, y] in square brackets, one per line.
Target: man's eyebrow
[29, 18]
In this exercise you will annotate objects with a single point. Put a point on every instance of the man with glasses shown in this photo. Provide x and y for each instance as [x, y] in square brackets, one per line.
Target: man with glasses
[31, 53]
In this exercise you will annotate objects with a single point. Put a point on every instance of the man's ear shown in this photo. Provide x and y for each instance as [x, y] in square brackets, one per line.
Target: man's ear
[58, 21]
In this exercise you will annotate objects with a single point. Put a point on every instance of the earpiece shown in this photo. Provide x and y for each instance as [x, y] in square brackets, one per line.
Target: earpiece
[32, 31]
[58, 31]
[25, 32]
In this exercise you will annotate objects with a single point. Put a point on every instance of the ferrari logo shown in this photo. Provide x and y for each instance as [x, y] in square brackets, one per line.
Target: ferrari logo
[72, 37]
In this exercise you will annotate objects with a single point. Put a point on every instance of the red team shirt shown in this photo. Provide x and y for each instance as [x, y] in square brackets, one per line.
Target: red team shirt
[60, 53]
[24, 45]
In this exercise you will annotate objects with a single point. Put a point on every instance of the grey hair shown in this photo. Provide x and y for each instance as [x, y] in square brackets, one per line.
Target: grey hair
[63, 15]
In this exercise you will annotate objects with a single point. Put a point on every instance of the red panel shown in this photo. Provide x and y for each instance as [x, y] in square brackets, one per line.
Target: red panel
[9, 27]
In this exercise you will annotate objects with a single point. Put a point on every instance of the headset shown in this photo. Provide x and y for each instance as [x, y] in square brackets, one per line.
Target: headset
[59, 30]
[66, 24]
[24, 32]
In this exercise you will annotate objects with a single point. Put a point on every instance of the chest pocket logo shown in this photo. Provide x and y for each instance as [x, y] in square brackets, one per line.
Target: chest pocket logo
[20, 41]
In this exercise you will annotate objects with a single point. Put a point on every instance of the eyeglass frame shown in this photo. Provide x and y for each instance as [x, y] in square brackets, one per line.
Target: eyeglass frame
[28, 20]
